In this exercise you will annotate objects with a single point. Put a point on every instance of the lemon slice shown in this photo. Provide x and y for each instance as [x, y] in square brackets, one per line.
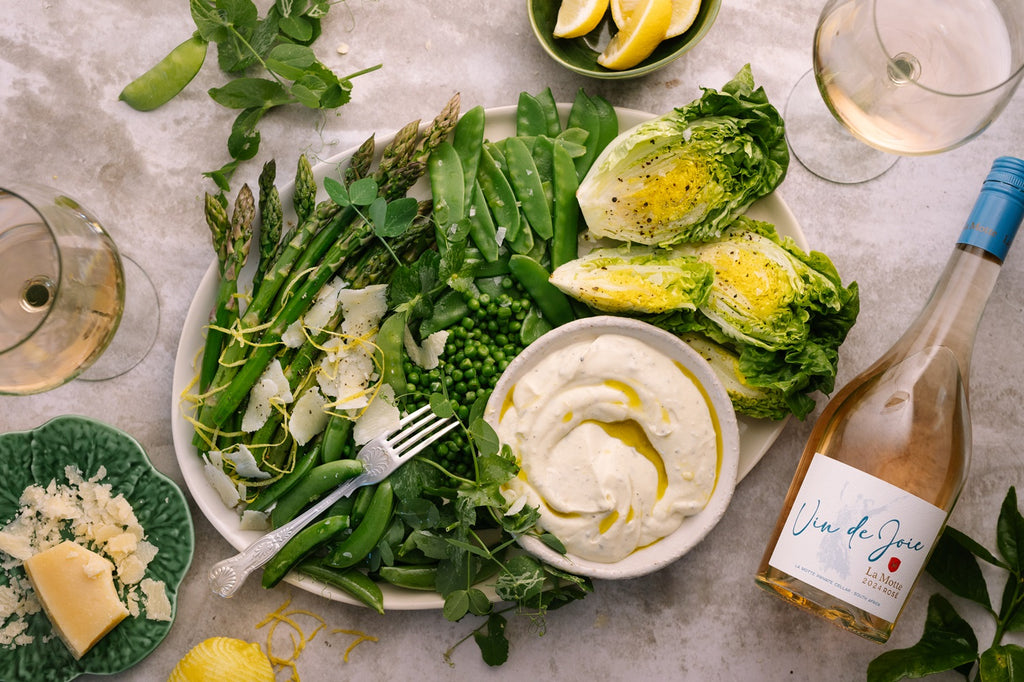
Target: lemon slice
[644, 28]
[579, 17]
[683, 14]
[621, 9]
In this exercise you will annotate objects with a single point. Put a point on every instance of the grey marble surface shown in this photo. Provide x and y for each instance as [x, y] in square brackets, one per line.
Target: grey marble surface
[62, 65]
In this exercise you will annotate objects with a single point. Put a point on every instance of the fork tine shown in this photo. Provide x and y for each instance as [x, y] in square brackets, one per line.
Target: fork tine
[424, 438]
[411, 430]
[408, 418]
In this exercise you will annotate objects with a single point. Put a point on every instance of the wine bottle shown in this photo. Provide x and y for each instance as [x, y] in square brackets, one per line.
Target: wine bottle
[887, 458]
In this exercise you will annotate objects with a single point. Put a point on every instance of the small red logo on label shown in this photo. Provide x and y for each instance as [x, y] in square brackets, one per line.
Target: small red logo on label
[894, 564]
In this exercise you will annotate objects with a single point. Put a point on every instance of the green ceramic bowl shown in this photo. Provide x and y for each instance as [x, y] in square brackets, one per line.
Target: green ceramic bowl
[580, 54]
[40, 456]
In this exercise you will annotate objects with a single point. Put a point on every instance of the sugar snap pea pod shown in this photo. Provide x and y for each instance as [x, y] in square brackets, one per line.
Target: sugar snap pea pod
[321, 479]
[336, 436]
[449, 309]
[481, 225]
[167, 77]
[565, 226]
[352, 581]
[410, 577]
[361, 503]
[273, 492]
[526, 182]
[553, 304]
[468, 140]
[498, 193]
[354, 548]
[300, 546]
[447, 185]
[390, 341]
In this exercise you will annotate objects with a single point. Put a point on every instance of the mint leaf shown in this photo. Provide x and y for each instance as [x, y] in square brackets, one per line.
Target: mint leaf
[947, 643]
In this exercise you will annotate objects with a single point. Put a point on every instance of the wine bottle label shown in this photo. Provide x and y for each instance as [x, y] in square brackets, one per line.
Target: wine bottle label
[856, 537]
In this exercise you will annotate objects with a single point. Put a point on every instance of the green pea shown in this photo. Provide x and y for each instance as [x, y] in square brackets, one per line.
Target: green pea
[168, 77]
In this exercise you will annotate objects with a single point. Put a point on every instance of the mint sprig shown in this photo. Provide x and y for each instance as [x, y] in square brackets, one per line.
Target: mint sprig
[948, 641]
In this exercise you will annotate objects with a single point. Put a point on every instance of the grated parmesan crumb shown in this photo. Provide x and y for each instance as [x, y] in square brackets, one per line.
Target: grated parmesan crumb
[90, 512]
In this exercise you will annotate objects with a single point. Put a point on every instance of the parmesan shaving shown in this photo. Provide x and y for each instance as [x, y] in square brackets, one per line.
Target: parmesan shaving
[379, 417]
[308, 416]
[427, 356]
[272, 388]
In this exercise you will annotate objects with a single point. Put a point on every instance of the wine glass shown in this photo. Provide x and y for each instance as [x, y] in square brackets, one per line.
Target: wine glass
[907, 77]
[64, 292]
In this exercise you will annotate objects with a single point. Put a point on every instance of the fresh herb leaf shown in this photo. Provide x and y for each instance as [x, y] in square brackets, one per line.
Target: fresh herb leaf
[1002, 664]
[1010, 533]
[956, 569]
[492, 640]
[947, 643]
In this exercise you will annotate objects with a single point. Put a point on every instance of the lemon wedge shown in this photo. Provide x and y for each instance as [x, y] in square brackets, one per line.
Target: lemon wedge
[644, 29]
[223, 659]
[622, 9]
[579, 17]
[684, 12]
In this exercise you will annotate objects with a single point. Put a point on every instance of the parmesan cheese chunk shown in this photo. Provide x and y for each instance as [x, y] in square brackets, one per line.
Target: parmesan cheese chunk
[272, 387]
[427, 356]
[308, 416]
[379, 417]
[76, 589]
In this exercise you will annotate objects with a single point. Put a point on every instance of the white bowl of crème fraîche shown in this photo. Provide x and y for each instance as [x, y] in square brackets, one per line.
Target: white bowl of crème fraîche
[627, 445]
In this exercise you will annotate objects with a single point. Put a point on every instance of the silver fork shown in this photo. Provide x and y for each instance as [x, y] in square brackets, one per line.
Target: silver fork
[380, 457]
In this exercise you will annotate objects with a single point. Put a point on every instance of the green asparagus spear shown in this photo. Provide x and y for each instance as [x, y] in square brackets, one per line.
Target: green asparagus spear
[271, 219]
[304, 196]
[235, 244]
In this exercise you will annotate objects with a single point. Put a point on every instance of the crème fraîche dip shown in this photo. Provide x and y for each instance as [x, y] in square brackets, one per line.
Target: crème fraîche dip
[617, 444]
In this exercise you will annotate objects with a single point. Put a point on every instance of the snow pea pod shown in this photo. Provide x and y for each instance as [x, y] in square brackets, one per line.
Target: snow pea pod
[447, 186]
[468, 140]
[367, 534]
[530, 118]
[499, 195]
[300, 546]
[528, 187]
[166, 78]
[565, 227]
[553, 304]
[320, 480]
[481, 225]
[584, 115]
[351, 581]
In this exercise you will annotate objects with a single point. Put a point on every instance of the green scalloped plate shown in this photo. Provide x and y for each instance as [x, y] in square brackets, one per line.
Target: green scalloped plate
[39, 456]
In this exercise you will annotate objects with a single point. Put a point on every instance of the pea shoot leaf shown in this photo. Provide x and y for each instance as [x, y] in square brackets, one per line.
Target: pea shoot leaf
[492, 641]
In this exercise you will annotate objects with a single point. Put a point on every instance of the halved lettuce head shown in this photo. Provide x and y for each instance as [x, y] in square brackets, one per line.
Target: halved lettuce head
[688, 174]
[770, 315]
[635, 281]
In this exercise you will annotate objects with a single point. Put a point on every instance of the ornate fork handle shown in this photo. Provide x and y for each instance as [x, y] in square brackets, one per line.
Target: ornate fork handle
[228, 575]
